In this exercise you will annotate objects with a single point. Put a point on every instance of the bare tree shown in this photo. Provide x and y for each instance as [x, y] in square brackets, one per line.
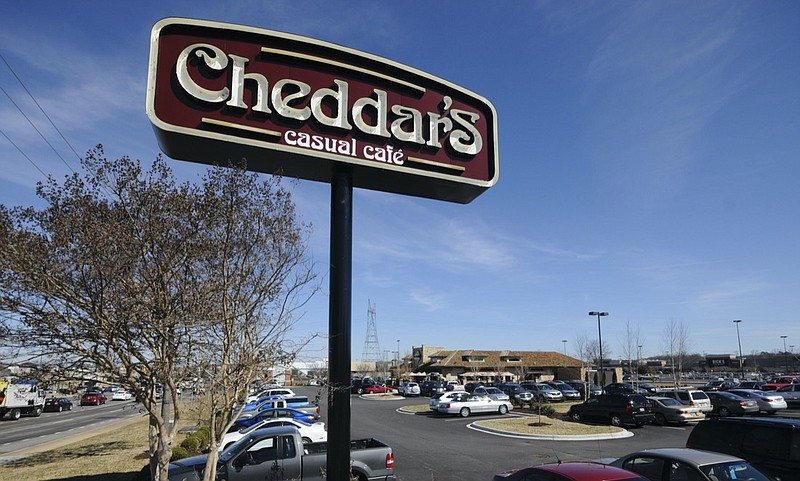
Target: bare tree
[676, 343]
[588, 350]
[630, 343]
[150, 281]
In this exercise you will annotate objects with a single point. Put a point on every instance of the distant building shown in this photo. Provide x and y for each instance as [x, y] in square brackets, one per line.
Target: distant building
[715, 362]
[472, 365]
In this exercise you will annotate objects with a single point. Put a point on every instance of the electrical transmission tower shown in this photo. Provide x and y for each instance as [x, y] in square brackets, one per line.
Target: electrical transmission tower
[372, 350]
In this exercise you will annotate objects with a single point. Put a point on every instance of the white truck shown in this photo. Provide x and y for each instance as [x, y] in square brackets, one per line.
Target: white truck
[19, 399]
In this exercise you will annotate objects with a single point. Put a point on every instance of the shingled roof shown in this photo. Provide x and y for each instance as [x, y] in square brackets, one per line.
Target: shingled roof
[447, 358]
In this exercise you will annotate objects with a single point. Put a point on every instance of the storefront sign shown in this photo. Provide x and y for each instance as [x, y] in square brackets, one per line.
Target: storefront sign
[305, 108]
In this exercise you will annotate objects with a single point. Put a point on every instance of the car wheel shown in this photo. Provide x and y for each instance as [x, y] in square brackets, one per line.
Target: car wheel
[575, 416]
[16, 414]
[464, 412]
[306, 440]
[360, 391]
[723, 411]
[616, 420]
[60, 409]
[358, 476]
[503, 409]
[660, 419]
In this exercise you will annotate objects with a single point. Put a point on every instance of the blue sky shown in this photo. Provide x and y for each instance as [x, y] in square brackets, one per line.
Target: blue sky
[649, 161]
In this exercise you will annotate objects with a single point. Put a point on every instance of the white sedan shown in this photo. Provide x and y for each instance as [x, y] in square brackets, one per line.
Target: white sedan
[309, 433]
[768, 401]
[122, 396]
[442, 397]
[466, 404]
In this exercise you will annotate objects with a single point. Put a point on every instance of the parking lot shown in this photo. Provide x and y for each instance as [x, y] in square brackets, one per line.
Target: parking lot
[433, 447]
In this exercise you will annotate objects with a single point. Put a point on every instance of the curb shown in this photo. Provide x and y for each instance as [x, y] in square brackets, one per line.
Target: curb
[624, 433]
[381, 397]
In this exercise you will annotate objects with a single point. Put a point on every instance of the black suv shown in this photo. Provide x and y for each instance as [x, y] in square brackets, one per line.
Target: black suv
[615, 409]
[623, 388]
[357, 385]
[429, 388]
[770, 444]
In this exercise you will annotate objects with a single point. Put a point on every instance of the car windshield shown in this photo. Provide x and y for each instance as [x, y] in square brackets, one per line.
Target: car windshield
[670, 402]
[253, 427]
[736, 470]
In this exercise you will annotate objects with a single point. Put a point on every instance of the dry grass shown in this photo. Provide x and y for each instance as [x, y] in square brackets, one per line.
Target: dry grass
[545, 426]
[117, 455]
[120, 453]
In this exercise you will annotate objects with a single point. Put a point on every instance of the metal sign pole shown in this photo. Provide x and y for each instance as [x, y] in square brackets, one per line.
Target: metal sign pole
[339, 327]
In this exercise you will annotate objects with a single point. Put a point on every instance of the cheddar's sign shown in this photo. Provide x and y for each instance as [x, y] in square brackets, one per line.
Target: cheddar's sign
[306, 108]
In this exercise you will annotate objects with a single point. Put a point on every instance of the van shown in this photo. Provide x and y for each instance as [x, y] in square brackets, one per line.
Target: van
[770, 444]
[690, 397]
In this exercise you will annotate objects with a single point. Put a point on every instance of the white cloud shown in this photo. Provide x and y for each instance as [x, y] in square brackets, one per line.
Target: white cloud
[431, 301]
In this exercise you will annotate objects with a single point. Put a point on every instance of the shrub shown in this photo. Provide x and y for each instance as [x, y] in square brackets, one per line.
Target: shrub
[191, 444]
[204, 435]
[544, 409]
[179, 453]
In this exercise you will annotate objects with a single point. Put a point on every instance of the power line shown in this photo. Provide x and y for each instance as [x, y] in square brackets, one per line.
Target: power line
[43, 112]
[23, 153]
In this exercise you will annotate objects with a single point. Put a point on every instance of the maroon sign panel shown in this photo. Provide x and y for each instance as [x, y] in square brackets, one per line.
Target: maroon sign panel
[305, 108]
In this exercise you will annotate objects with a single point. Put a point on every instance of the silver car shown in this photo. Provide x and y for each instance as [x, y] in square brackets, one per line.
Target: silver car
[543, 392]
[768, 401]
[790, 393]
[669, 410]
[668, 464]
[409, 389]
[433, 404]
[690, 397]
[492, 392]
[569, 393]
[465, 404]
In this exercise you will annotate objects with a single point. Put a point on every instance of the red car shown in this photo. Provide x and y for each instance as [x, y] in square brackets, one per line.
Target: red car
[94, 397]
[572, 471]
[779, 382]
[377, 388]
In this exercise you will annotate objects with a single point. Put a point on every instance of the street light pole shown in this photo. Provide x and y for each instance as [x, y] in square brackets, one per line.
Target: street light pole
[600, 347]
[739, 339]
[785, 355]
[564, 341]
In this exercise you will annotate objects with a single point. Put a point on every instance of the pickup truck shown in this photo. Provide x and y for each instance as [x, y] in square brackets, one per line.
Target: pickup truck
[279, 454]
